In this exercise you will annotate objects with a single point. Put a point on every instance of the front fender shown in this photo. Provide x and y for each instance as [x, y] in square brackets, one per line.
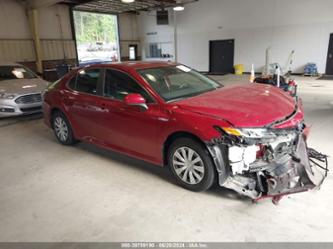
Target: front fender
[199, 125]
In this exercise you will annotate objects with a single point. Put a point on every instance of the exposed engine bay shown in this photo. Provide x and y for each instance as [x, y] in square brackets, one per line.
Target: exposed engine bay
[267, 162]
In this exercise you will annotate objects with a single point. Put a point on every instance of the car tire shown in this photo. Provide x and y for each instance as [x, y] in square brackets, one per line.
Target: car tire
[62, 129]
[191, 164]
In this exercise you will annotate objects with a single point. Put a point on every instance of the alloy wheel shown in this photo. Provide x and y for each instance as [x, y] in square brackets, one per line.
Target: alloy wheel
[188, 165]
[61, 128]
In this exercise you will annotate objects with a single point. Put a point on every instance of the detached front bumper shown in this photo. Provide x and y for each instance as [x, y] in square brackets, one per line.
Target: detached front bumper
[285, 169]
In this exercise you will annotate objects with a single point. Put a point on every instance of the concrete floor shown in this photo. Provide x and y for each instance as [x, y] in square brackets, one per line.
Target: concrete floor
[50, 193]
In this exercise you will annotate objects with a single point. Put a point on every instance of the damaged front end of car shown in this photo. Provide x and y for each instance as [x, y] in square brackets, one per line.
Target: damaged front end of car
[267, 162]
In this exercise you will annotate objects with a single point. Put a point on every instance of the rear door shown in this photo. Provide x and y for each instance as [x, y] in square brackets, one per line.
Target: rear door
[83, 104]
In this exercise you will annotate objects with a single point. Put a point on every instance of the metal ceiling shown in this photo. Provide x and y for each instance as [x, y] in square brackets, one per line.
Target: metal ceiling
[116, 6]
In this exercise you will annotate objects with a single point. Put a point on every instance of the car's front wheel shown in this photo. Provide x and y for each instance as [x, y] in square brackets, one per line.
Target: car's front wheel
[62, 129]
[191, 164]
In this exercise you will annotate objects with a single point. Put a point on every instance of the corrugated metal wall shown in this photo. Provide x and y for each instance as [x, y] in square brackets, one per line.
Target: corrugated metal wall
[16, 50]
[23, 50]
[58, 49]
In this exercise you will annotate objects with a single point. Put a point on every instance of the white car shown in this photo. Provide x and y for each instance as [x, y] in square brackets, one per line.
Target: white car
[20, 90]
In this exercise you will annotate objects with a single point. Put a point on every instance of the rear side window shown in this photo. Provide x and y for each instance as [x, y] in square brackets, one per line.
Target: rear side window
[118, 85]
[86, 81]
[72, 83]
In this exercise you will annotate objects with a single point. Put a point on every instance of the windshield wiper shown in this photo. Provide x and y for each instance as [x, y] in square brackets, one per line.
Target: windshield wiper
[190, 95]
[178, 99]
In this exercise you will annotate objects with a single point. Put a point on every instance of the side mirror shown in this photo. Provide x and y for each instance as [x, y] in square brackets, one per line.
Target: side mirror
[135, 99]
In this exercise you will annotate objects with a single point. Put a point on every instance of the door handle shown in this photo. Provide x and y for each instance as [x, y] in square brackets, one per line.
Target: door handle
[330, 56]
[103, 106]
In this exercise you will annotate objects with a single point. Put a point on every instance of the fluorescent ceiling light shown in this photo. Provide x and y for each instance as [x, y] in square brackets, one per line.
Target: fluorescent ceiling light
[128, 1]
[179, 8]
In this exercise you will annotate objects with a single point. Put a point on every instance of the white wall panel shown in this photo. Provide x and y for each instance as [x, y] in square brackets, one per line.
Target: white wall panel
[13, 20]
[15, 36]
[284, 25]
[54, 22]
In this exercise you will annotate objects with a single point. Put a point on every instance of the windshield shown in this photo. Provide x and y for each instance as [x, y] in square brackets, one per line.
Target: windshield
[15, 73]
[178, 82]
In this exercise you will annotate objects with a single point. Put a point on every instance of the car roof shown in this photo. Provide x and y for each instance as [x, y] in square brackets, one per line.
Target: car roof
[137, 64]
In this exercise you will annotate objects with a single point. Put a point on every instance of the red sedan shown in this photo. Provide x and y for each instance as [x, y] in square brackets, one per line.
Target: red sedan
[249, 138]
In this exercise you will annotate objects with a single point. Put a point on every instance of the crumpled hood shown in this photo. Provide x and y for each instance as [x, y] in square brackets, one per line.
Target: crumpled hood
[23, 86]
[250, 105]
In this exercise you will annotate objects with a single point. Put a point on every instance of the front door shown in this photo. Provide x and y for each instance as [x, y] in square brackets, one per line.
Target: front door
[329, 64]
[221, 55]
[129, 128]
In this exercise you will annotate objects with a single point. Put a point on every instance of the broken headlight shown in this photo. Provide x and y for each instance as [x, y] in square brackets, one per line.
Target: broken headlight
[252, 136]
[249, 132]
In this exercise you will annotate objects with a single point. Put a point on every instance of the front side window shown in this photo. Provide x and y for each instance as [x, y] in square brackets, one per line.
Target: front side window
[118, 85]
[86, 81]
[178, 82]
[15, 73]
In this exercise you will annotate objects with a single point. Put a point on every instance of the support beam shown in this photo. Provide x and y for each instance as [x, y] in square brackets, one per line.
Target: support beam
[33, 21]
[175, 37]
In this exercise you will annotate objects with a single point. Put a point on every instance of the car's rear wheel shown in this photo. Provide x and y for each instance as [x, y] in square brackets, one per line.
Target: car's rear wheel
[191, 164]
[62, 129]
